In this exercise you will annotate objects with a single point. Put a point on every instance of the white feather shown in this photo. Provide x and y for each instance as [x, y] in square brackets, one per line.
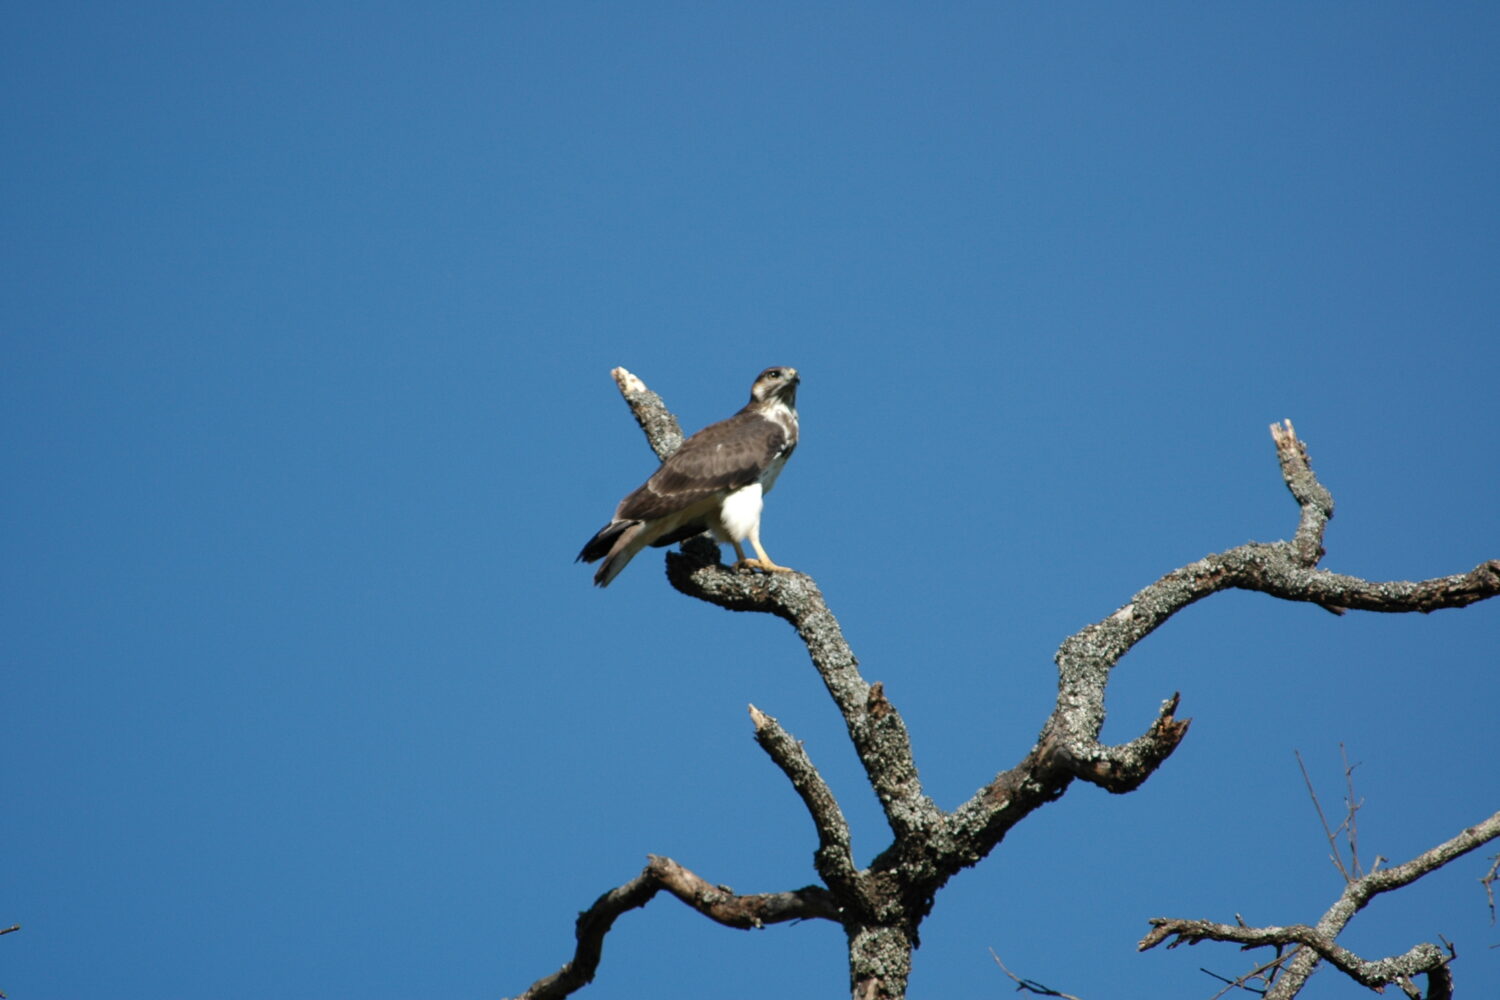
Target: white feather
[740, 513]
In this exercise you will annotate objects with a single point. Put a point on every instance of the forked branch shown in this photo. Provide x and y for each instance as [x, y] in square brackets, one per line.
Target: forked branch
[715, 902]
[1287, 570]
[1320, 942]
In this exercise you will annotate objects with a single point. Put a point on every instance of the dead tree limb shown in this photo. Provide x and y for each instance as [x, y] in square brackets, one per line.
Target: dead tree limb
[714, 902]
[882, 906]
[1319, 943]
[833, 860]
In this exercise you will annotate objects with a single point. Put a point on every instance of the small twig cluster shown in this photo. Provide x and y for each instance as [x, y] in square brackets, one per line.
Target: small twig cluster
[1349, 827]
[1488, 881]
[1319, 942]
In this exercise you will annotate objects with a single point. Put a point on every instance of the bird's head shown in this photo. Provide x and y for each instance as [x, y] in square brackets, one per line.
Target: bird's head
[777, 383]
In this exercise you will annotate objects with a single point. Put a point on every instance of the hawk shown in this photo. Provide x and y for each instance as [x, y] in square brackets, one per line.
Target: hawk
[714, 482]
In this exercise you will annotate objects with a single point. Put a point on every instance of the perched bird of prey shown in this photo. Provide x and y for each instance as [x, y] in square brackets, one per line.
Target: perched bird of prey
[714, 482]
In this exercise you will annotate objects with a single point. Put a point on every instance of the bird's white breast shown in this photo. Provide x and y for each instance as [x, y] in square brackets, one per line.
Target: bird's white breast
[740, 512]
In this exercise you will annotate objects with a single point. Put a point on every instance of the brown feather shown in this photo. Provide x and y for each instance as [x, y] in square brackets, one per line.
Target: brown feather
[723, 456]
[685, 495]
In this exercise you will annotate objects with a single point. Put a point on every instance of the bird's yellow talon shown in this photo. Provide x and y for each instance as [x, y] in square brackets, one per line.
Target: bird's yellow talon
[764, 565]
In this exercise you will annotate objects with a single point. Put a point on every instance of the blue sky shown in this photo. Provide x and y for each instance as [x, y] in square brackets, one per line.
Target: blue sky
[308, 324]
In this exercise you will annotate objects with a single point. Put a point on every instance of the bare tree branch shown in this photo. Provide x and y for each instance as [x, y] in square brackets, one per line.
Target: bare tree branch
[1320, 942]
[881, 907]
[1069, 740]
[1424, 958]
[1396, 596]
[590, 929]
[1264, 972]
[721, 905]
[663, 432]
[1125, 767]
[875, 727]
[1030, 985]
[714, 902]
[1336, 856]
[1315, 501]
[833, 859]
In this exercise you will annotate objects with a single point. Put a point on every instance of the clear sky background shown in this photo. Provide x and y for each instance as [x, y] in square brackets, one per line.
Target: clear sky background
[305, 404]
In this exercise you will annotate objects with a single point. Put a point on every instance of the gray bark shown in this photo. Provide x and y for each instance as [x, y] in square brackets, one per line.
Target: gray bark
[881, 907]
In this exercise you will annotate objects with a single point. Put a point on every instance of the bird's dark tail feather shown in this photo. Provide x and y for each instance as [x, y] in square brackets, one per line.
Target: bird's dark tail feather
[682, 534]
[598, 546]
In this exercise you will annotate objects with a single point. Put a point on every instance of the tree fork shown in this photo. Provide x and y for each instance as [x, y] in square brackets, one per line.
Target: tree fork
[881, 907]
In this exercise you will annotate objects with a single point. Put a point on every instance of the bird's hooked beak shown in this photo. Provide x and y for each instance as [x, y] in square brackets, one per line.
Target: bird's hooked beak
[790, 381]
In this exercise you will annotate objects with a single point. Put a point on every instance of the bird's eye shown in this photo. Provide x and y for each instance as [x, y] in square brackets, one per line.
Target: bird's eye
[773, 373]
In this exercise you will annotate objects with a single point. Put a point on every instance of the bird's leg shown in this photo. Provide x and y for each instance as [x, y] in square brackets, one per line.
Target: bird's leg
[763, 562]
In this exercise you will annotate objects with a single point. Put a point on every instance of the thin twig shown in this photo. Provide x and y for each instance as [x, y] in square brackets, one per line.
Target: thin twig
[1489, 886]
[1232, 984]
[1030, 985]
[1333, 842]
[1259, 972]
[1353, 804]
